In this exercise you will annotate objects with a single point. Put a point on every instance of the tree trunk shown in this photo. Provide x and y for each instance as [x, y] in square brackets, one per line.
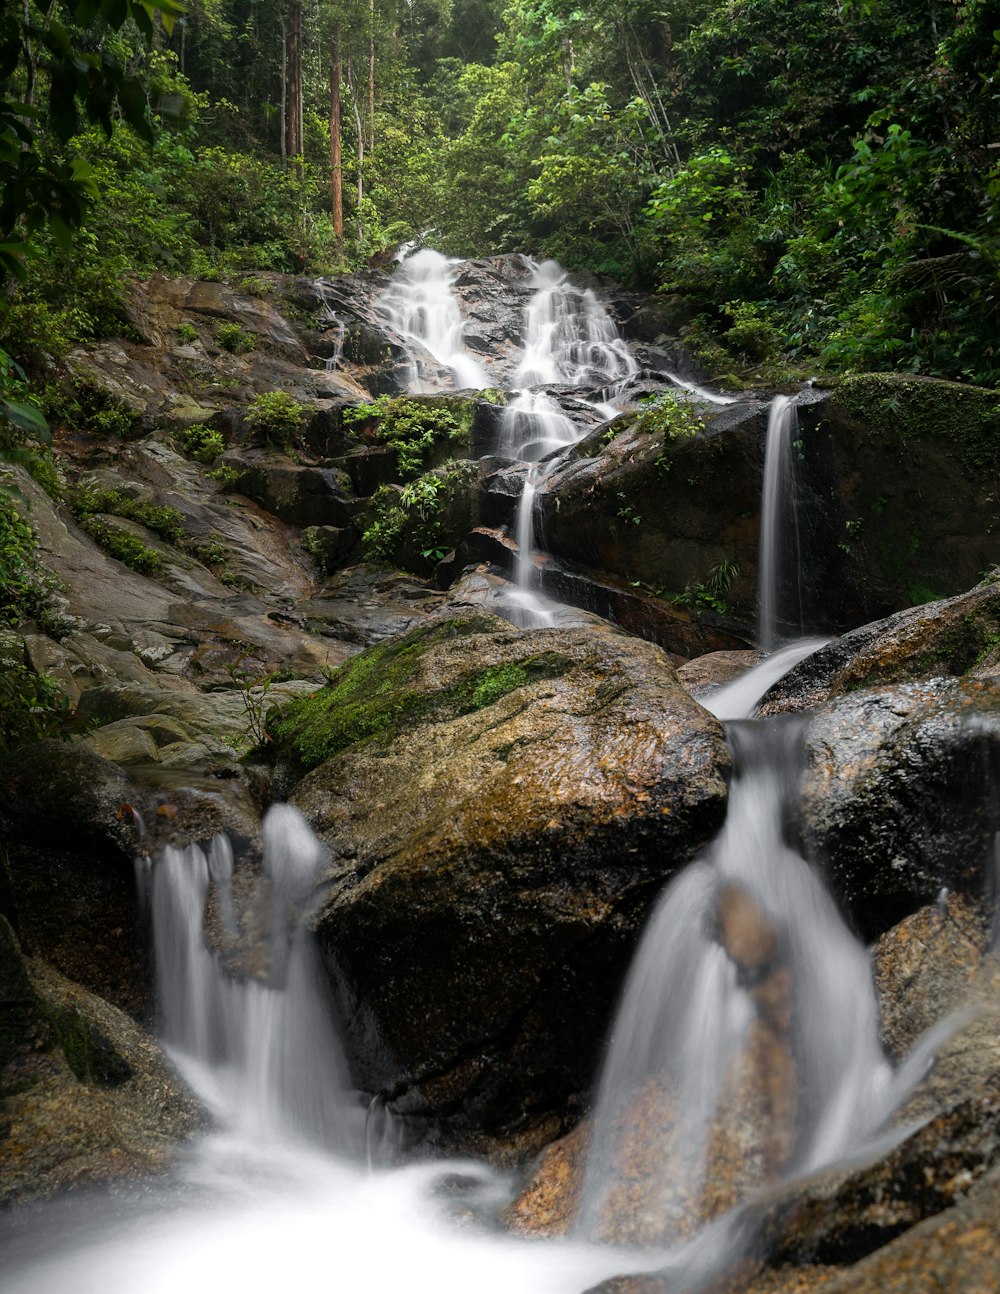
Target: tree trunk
[294, 80]
[371, 76]
[361, 174]
[336, 164]
[284, 85]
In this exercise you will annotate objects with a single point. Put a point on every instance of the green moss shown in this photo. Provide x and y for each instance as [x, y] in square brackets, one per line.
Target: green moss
[161, 519]
[911, 408]
[91, 1057]
[123, 546]
[375, 694]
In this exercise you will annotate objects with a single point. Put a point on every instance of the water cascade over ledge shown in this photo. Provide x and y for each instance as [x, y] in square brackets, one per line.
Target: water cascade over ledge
[420, 305]
[749, 1020]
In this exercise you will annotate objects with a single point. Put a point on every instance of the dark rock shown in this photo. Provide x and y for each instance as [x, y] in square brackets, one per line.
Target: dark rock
[332, 546]
[665, 513]
[845, 1216]
[899, 468]
[954, 637]
[296, 494]
[491, 889]
[897, 794]
[675, 628]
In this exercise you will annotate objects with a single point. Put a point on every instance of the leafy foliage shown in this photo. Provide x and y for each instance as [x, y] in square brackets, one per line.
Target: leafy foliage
[412, 427]
[277, 416]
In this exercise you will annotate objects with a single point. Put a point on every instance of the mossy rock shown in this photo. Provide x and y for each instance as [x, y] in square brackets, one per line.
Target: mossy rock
[955, 637]
[379, 693]
[502, 806]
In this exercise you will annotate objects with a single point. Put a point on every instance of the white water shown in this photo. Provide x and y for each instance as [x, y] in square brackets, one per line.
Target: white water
[421, 306]
[278, 1196]
[569, 338]
[685, 1012]
[778, 557]
[739, 699]
[712, 397]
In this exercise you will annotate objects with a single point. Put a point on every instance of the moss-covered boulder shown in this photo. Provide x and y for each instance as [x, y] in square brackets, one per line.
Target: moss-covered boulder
[503, 807]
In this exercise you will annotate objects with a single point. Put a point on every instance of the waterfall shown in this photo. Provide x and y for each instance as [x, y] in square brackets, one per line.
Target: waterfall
[569, 338]
[420, 305]
[249, 1026]
[779, 589]
[749, 1012]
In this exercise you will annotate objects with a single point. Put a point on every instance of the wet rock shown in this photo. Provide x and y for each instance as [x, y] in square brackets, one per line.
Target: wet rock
[86, 1095]
[896, 796]
[900, 471]
[704, 674]
[674, 628]
[926, 966]
[490, 890]
[297, 494]
[848, 1215]
[661, 511]
[957, 636]
[548, 1205]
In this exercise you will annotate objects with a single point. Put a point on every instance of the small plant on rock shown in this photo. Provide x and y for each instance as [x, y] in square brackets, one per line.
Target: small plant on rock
[235, 339]
[411, 427]
[278, 416]
[201, 443]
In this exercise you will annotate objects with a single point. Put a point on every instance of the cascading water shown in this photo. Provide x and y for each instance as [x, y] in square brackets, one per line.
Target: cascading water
[571, 340]
[569, 337]
[778, 560]
[280, 1192]
[420, 305]
[258, 1048]
[749, 1012]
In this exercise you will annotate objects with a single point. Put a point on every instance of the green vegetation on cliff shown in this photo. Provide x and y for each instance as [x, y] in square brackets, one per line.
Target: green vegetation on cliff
[813, 183]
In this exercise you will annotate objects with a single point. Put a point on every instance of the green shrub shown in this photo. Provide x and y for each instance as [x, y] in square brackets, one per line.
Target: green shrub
[252, 286]
[32, 706]
[235, 339]
[26, 587]
[186, 332]
[278, 416]
[413, 526]
[123, 546]
[411, 427]
[201, 443]
[161, 519]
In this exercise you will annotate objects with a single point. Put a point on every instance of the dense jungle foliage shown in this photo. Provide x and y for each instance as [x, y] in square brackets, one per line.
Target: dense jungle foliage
[800, 179]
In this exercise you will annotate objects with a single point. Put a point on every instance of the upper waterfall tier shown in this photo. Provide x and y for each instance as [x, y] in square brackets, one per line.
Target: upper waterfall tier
[570, 337]
[420, 305]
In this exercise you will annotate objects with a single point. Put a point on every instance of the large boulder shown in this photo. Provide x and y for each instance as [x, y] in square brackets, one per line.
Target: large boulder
[503, 807]
[901, 473]
[665, 511]
[898, 794]
[956, 636]
[86, 1095]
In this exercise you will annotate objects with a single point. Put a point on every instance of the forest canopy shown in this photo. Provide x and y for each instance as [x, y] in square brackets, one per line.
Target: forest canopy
[802, 181]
